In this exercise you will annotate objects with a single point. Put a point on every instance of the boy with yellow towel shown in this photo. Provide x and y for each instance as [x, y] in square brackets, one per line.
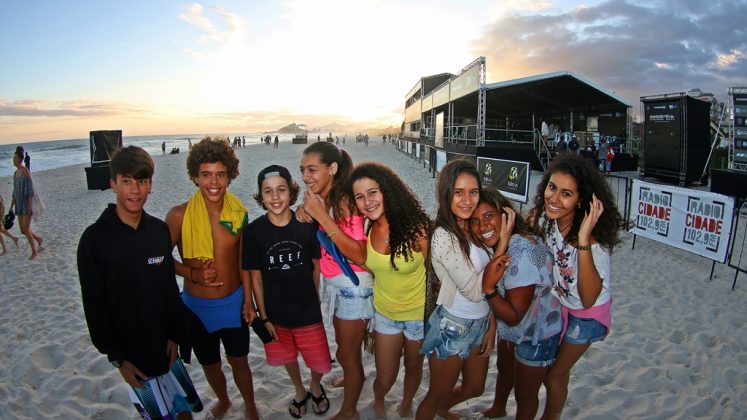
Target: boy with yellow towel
[206, 229]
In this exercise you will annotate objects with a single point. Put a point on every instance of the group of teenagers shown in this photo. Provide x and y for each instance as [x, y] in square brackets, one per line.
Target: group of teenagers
[360, 246]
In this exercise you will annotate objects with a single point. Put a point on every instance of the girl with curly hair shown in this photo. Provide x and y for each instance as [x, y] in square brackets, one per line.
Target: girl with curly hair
[348, 287]
[396, 250]
[460, 333]
[518, 288]
[576, 210]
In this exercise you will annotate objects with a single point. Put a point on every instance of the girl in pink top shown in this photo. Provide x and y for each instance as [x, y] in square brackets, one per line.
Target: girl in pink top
[325, 169]
[575, 208]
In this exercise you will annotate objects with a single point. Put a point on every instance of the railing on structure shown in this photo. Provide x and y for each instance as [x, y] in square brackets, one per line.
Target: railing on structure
[621, 190]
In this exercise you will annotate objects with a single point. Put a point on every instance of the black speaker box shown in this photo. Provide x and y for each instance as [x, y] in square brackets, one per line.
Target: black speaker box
[98, 177]
[676, 137]
[729, 182]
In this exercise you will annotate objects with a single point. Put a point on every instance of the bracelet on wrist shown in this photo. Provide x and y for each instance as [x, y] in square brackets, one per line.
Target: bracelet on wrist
[489, 296]
[333, 233]
[583, 247]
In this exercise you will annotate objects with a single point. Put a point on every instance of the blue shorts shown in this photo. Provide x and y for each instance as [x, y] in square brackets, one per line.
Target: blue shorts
[584, 330]
[449, 334]
[541, 355]
[413, 330]
[353, 303]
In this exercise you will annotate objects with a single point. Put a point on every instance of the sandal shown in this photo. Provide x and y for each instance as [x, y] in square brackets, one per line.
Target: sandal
[300, 407]
[317, 401]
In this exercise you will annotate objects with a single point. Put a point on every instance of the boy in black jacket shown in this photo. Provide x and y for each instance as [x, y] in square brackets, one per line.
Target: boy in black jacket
[131, 300]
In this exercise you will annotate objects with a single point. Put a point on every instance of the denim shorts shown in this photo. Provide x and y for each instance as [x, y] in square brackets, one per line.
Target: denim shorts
[413, 330]
[584, 330]
[541, 355]
[353, 303]
[449, 334]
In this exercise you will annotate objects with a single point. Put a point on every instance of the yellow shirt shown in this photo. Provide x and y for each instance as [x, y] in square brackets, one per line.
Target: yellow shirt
[400, 294]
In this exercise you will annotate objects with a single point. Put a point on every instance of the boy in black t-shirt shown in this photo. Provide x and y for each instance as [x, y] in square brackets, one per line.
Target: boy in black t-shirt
[281, 256]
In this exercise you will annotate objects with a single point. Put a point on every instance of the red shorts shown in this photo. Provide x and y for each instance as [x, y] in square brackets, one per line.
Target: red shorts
[310, 341]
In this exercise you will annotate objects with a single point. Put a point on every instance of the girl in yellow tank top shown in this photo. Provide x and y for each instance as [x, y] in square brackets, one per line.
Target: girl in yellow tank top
[396, 250]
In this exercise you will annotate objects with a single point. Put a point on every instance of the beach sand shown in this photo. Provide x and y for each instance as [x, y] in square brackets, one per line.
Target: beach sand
[675, 350]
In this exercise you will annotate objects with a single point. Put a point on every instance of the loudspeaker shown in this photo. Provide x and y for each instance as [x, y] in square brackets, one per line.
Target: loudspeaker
[729, 182]
[676, 137]
[103, 144]
[98, 177]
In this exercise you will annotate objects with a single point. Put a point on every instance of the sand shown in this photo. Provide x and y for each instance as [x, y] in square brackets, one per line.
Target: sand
[676, 349]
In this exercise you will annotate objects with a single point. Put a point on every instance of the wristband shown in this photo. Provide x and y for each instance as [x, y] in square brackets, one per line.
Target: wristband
[333, 233]
[265, 320]
[489, 296]
[583, 247]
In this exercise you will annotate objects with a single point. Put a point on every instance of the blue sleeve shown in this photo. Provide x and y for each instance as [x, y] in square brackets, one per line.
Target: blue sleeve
[522, 271]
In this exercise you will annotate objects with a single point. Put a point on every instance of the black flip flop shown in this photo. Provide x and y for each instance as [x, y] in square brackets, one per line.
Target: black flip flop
[300, 406]
[316, 401]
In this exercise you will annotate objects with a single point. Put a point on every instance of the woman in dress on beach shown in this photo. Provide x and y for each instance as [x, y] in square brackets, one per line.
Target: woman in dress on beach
[529, 320]
[348, 287]
[4, 231]
[396, 251]
[22, 202]
[460, 332]
[576, 210]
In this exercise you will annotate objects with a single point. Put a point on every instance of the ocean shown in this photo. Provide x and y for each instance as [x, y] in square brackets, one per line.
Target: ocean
[58, 153]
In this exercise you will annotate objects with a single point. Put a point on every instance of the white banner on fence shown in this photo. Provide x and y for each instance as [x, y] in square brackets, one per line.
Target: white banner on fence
[696, 221]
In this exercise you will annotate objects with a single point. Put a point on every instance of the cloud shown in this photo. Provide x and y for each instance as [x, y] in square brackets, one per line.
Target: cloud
[630, 47]
[219, 28]
[33, 108]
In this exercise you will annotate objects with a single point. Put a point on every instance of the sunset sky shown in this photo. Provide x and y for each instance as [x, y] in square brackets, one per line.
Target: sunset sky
[163, 67]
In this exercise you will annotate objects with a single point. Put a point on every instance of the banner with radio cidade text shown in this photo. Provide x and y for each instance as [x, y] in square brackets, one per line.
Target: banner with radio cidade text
[696, 221]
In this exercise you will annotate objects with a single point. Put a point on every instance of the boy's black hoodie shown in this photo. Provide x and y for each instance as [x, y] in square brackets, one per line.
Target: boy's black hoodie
[130, 296]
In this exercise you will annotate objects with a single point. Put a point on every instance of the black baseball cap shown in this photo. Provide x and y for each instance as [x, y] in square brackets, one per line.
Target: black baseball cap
[273, 170]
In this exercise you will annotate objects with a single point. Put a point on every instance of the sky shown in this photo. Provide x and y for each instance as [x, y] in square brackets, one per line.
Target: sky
[232, 66]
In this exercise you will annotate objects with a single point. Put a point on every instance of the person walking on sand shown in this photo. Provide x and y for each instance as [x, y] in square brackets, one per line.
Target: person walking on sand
[275, 145]
[27, 161]
[4, 231]
[281, 256]
[460, 332]
[529, 320]
[348, 287]
[23, 203]
[206, 230]
[576, 210]
[130, 297]
[396, 250]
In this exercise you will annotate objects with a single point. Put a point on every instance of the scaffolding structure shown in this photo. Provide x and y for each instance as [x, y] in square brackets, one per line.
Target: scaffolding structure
[735, 138]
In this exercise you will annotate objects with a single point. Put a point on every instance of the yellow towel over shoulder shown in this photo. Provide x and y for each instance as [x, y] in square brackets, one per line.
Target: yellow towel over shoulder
[197, 242]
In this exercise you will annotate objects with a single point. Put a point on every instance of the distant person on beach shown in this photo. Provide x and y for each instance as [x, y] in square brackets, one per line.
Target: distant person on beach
[576, 210]
[23, 202]
[348, 287]
[4, 231]
[276, 141]
[517, 284]
[545, 130]
[130, 296]
[206, 230]
[163, 147]
[281, 257]
[27, 161]
[602, 154]
[396, 251]
[460, 332]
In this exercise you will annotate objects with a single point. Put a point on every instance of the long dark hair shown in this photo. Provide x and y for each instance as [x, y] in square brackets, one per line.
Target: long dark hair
[588, 181]
[493, 197]
[444, 195]
[328, 154]
[408, 223]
